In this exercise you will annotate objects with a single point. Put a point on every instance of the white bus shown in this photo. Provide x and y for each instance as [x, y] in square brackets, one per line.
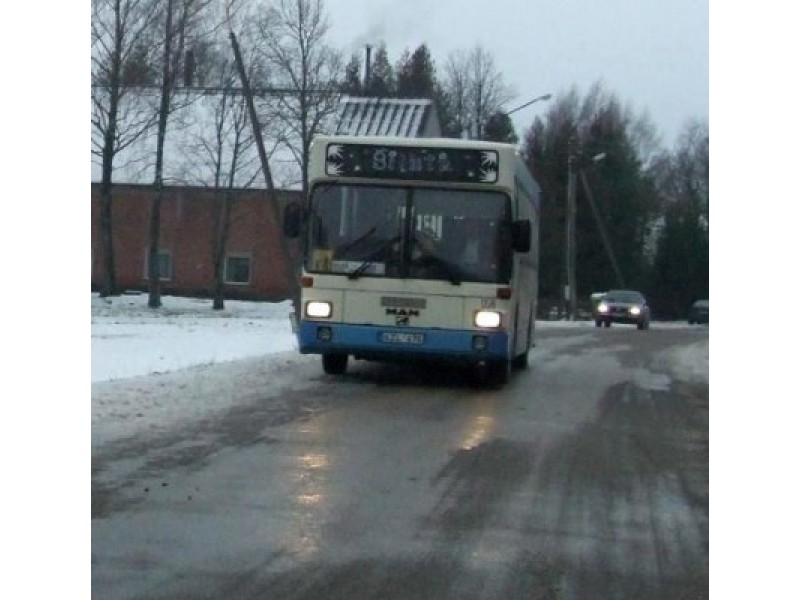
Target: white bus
[418, 249]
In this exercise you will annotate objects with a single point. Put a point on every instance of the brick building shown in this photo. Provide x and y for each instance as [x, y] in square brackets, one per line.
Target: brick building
[189, 217]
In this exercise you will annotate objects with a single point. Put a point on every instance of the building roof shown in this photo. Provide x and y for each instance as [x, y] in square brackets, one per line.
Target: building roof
[398, 117]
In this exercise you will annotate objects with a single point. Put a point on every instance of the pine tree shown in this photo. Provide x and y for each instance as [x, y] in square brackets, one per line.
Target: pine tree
[381, 79]
[622, 193]
[499, 128]
[681, 267]
[416, 74]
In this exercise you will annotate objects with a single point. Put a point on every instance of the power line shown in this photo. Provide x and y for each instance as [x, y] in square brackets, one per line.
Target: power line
[209, 90]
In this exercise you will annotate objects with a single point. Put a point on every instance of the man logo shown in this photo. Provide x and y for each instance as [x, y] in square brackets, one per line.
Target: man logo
[402, 312]
[402, 315]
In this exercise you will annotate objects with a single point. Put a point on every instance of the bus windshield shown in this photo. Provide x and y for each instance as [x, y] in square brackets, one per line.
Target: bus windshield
[410, 232]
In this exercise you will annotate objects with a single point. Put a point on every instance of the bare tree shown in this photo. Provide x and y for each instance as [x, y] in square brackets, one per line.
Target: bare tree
[233, 134]
[475, 88]
[122, 48]
[177, 27]
[224, 157]
[218, 119]
[294, 54]
[299, 60]
[456, 88]
[487, 91]
[153, 266]
[272, 201]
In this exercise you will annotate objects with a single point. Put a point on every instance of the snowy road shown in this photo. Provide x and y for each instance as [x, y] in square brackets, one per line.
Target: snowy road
[585, 477]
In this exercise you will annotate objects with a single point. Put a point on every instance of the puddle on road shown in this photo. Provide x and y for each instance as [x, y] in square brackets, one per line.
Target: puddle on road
[654, 382]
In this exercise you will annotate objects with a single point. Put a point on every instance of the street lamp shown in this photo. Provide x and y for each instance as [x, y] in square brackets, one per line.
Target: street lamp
[570, 241]
[476, 128]
[575, 166]
[570, 250]
[529, 102]
[600, 226]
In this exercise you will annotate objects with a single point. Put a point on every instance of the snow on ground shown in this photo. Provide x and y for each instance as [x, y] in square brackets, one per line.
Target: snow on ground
[690, 363]
[184, 361]
[130, 339]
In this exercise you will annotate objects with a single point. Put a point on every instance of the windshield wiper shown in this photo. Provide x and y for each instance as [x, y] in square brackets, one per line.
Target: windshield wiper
[441, 268]
[453, 272]
[359, 239]
[370, 258]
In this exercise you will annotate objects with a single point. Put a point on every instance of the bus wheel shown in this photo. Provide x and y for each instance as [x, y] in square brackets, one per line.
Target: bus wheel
[498, 372]
[334, 364]
[521, 361]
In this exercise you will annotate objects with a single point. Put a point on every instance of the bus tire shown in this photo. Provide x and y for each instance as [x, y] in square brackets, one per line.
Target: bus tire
[498, 372]
[334, 364]
[521, 361]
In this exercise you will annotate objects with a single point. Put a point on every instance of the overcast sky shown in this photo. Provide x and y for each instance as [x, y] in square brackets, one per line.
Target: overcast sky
[653, 54]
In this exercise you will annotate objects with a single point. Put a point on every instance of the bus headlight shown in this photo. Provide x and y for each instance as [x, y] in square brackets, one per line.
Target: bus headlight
[488, 319]
[318, 310]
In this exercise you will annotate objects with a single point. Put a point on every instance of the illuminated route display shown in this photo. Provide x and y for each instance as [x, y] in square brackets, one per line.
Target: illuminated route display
[420, 163]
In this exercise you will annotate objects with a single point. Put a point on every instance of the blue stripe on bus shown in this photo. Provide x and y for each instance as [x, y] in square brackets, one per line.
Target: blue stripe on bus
[366, 339]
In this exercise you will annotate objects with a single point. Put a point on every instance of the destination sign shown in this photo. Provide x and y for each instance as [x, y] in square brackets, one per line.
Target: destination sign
[401, 162]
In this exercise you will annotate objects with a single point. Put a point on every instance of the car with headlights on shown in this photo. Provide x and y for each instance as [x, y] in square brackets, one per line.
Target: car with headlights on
[595, 300]
[699, 312]
[628, 307]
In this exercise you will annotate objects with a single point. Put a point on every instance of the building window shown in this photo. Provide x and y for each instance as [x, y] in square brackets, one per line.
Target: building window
[237, 269]
[164, 265]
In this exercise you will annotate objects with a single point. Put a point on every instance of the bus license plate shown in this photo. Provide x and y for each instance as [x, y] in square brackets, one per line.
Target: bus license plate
[390, 337]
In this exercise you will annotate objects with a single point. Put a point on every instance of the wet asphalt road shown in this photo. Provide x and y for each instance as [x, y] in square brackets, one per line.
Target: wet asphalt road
[585, 477]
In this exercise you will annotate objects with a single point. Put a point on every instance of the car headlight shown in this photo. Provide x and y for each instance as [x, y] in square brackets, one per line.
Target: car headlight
[602, 307]
[635, 311]
[318, 310]
[488, 319]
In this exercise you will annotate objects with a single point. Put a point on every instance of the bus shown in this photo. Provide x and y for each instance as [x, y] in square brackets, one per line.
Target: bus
[417, 249]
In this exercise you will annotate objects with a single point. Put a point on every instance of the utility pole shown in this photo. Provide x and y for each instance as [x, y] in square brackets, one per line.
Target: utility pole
[570, 292]
[272, 198]
[602, 229]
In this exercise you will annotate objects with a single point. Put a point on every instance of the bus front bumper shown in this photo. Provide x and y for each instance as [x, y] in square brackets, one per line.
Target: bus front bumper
[374, 342]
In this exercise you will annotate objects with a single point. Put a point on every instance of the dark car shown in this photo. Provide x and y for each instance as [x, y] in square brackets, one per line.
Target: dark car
[596, 299]
[623, 306]
[699, 312]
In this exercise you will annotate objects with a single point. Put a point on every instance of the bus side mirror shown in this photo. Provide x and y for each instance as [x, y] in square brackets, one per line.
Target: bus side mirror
[521, 236]
[293, 216]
